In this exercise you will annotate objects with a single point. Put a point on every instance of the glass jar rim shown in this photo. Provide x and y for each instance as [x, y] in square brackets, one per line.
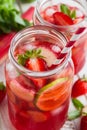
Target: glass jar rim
[28, 72]
[59, 26]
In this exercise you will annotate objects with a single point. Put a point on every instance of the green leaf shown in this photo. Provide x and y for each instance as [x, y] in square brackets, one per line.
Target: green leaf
[74, 114]
[27, 1]
[10, 17]
[2, 86]
[21, 60]
[4, 28]
[73, 14]
[29, 54]
[78, 105]
[7, 3]
[65, 9]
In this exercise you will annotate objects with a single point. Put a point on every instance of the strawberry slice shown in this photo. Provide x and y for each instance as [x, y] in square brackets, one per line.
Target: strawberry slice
[62, 19]
[21, 92]
[33, 60]
[37, 64]
[36, 116]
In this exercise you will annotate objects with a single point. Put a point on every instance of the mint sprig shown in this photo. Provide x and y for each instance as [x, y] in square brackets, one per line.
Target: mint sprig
[78, 112]
[35, 53]
[78, 105]
[66, 10]
[74, 114]
[10, 17]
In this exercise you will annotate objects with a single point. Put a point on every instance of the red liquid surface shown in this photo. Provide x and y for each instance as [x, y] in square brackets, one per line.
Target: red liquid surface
[34, 106]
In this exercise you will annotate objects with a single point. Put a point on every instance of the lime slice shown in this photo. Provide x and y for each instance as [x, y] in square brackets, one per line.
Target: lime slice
[53, 95]
[20, 91]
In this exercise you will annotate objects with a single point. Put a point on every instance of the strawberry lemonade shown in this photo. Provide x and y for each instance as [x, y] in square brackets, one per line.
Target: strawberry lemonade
[65, 16]
[38, 89]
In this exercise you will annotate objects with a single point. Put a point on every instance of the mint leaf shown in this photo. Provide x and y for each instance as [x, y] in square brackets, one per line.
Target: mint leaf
[74, 114]
[7, 3]
[78, 105]
[10, 17]
[65, 9]
[73, 14]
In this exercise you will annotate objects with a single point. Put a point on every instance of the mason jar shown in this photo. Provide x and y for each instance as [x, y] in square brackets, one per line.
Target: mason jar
[38, 90]
[66, 16]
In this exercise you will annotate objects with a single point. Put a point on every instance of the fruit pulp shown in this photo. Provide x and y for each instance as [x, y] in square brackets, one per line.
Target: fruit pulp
[37, 107]
[58, 19]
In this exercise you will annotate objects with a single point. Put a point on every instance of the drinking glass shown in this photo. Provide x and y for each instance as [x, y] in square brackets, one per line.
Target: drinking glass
[65, 16]
[38, 90]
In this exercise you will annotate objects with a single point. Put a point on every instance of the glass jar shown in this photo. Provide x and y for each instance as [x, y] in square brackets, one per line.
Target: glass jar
[51, 12]
[38, 91]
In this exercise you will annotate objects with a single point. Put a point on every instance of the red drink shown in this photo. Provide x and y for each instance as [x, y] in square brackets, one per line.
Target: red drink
[65, 16]
[38, 90]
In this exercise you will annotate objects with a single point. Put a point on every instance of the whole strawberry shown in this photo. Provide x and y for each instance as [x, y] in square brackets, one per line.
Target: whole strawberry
[79, 87]
[2, 91]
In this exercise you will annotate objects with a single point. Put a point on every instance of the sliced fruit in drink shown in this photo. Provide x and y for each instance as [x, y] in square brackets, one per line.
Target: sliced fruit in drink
[33, 60]
[37, 64]
[47, 53]
[11, 96]
[52, 95]
[20, 91]
[37, 116]
[62, 19]
[38, 82]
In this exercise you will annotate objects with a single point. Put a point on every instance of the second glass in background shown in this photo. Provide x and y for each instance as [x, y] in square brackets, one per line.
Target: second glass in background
[65, 16]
